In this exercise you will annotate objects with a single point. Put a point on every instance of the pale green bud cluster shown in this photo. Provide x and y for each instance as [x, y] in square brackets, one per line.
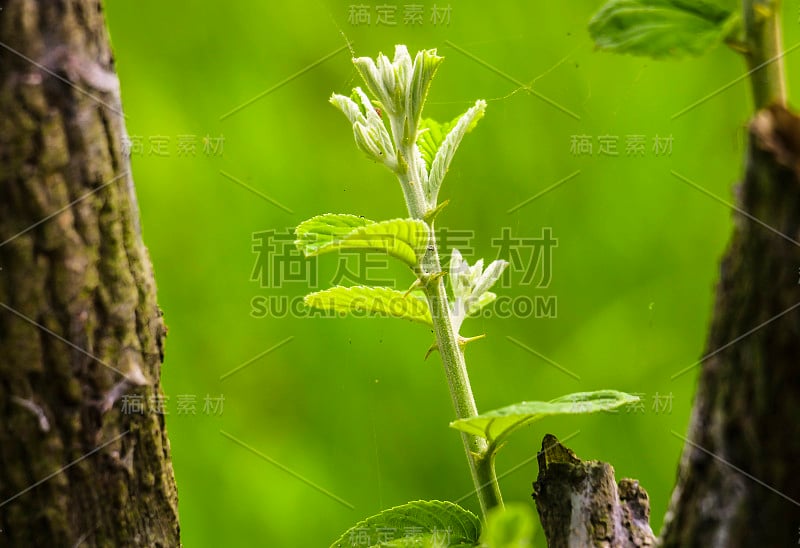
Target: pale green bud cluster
[470, 285]
[399, 88]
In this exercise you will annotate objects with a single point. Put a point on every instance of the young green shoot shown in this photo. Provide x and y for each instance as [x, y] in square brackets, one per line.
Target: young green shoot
[387, 124]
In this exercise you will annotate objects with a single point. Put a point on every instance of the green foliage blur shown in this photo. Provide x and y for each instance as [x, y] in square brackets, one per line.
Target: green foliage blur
[349, 405]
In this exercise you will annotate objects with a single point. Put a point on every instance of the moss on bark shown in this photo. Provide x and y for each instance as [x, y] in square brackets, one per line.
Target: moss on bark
[79, 323]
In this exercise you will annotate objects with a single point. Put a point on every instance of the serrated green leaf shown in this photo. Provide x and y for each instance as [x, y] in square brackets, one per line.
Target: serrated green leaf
[419, 523]
[496, 425]
[509, 527]
[430, 136]
[372, 301]
[444, 155]
[661, 28]
[405, 239]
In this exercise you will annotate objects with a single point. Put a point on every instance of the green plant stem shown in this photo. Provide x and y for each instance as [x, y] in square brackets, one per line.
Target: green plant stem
[481, 462]
[762, 30]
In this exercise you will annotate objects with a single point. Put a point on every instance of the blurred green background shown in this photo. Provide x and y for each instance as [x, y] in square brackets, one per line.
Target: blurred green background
[349, 404]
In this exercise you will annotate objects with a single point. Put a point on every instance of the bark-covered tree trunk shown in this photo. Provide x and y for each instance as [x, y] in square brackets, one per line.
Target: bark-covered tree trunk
[738, 482]
[80, 330]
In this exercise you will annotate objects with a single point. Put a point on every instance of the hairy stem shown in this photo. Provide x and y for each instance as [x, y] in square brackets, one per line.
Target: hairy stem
[481, 462]
[762, 28]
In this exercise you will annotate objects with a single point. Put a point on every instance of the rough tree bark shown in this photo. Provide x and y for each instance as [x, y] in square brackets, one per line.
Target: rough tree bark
[79, 324]
[738, 483]
[580, 503]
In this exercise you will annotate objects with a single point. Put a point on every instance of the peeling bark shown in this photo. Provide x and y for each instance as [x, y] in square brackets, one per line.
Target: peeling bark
[79, 324]
[737, 482]
[580, 503]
